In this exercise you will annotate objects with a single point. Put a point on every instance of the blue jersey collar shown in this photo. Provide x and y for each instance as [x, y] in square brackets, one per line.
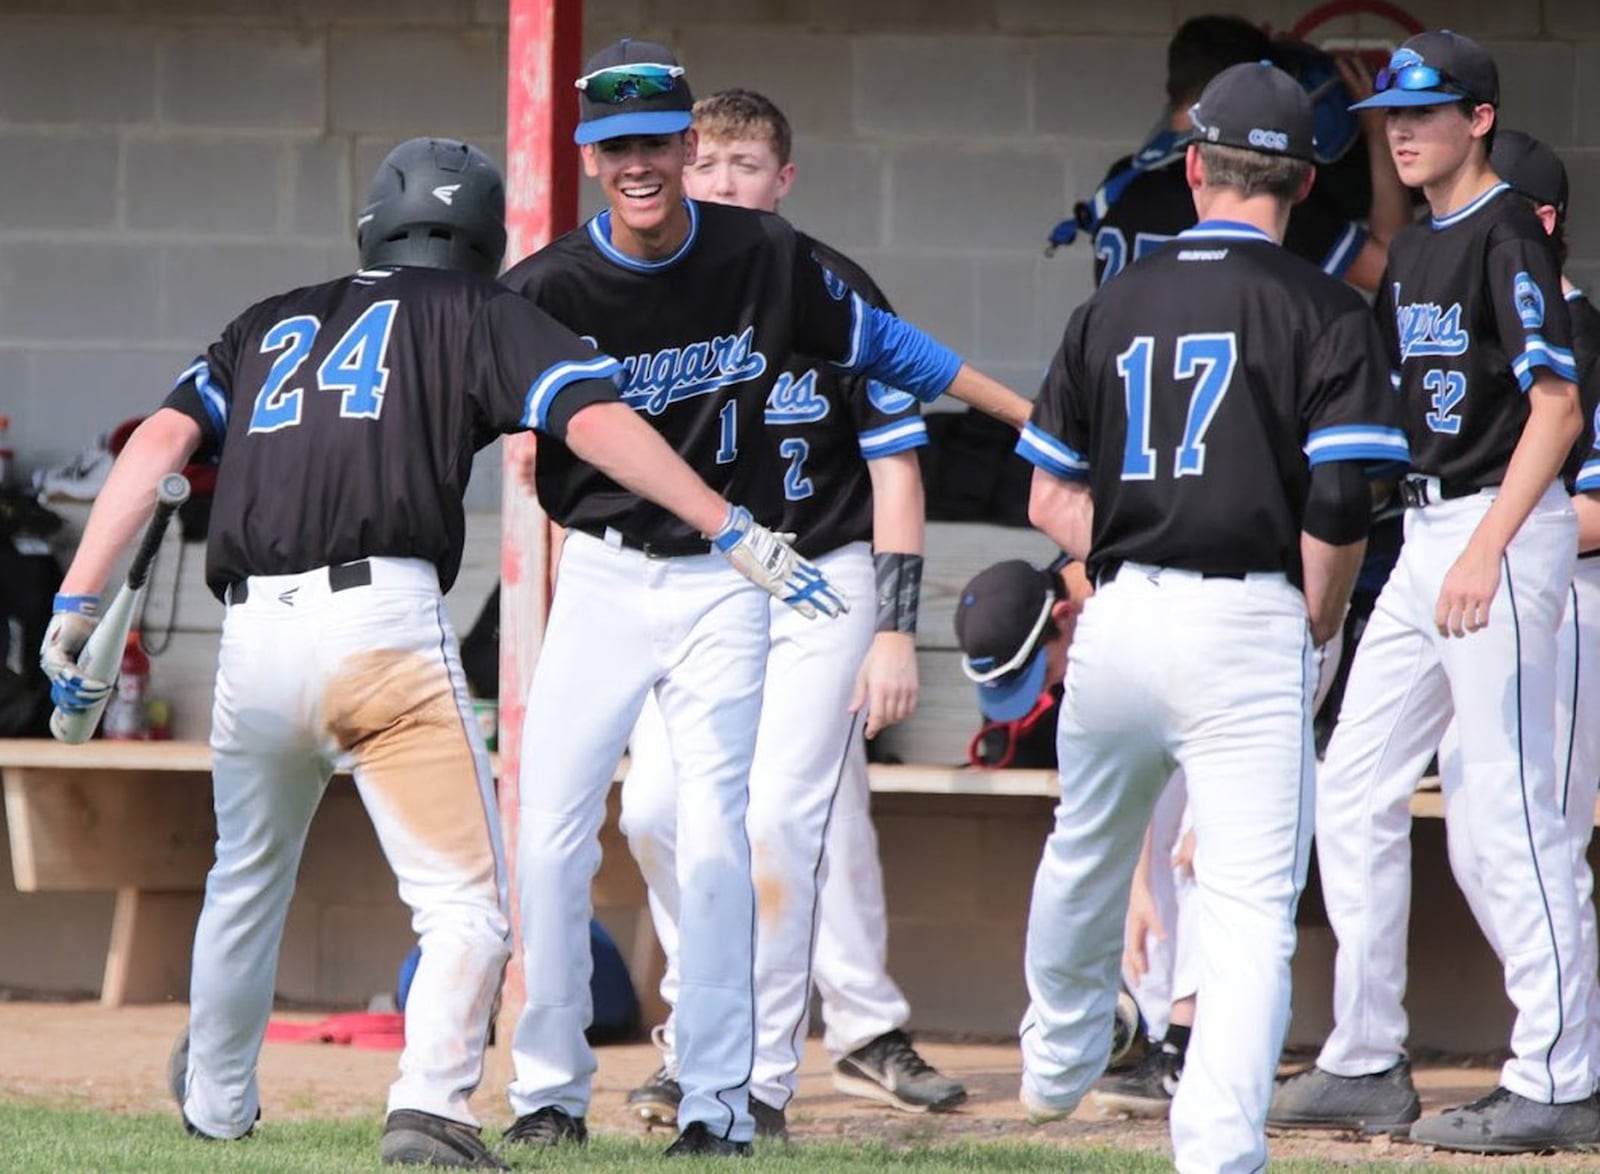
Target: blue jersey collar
[600, 234]
[1225, 230]
[1462, 213]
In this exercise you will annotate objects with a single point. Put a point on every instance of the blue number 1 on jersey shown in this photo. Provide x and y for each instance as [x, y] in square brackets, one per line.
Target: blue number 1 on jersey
[1209, 359]
[354, 366]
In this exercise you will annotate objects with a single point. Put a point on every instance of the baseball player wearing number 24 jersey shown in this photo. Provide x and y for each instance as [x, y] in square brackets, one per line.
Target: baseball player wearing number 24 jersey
[345, 416]
[1201, 437]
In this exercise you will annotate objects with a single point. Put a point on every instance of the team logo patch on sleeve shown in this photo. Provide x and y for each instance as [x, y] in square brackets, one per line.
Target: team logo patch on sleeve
[1530, 301]
[888, 400]
[835, 284]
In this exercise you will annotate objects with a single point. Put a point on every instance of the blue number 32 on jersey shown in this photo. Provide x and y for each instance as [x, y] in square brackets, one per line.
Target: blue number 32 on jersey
[354, 366]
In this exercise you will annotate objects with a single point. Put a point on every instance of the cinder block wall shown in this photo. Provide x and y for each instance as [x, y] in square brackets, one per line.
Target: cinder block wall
[171, 160]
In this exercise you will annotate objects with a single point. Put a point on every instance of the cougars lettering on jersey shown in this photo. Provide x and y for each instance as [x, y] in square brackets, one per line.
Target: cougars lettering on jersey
[704, 338]
[1472, 311]
[821, 429]
[346, 415]
[1185, 414]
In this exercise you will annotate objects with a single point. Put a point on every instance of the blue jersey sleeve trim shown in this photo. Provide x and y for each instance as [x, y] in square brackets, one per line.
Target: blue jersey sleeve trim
[1039, 448]
[545, 389]
[1538, 353]
[1343, 254]
[1356, 442]
[901, 436]
[211, 397]
[897, 353]
[1589, 476]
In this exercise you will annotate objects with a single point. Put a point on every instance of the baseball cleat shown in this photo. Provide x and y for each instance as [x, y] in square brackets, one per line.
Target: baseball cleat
[656, 1100]
[1145, 1090]
[772, 1124]
[1505, 1122]
[545, 1128]
[415, 1138]
[1384, 1102]
[697, 1141]
[888, 1069]
[1041, 1113]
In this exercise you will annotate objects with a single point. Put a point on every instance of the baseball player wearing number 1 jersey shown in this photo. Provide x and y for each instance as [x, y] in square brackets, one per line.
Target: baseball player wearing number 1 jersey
[1201, 438]
[345, 416]
[847, 451]
[1465, 630]
[708, 304]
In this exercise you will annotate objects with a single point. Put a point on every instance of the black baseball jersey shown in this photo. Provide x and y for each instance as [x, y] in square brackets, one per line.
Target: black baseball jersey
[1157, 205]
[1471, 308]
[1582, 472]
[346, 415]
[704, 337]
[1194, 394]
[821, 429]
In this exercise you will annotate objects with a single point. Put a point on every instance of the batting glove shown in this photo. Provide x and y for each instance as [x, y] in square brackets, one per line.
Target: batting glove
[768, 561]
[75, 617]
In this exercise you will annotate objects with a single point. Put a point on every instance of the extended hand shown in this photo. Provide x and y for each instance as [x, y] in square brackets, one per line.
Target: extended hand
[768, 561]
[75, 617]
[1468, 589]
[887, 682]
[1143, 920]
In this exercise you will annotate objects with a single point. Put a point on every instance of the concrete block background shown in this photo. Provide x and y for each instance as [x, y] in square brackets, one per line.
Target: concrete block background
[176, 159]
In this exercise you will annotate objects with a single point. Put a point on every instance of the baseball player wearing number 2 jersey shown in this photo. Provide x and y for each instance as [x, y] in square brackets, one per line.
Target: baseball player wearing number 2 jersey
[847, 452]
[345, 416]
[708, 304]
[1200, 437]
[1465, 629]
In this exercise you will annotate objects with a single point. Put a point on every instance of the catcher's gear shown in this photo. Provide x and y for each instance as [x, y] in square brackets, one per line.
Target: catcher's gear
[75, 618]
[768, 561]
[438, 204]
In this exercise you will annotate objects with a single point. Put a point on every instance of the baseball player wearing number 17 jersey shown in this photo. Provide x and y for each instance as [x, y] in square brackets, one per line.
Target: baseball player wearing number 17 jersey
[709, 304]
[1478, 334]
[1201, 437]
[345, 416]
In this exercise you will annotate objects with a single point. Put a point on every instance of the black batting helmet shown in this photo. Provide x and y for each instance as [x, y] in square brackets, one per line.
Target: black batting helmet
[438, 204]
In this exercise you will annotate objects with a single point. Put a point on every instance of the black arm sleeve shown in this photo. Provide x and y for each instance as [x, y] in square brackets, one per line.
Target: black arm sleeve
[1339, 505]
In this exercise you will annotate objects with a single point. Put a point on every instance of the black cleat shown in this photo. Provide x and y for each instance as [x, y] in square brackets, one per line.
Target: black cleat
[888, 1069]
[656, 1100]
[1506, 1123]
[697, 1141]
[1145, 1090]
[546, 1127]
[1383, 1102]
[772, 1124]
[414, 1138]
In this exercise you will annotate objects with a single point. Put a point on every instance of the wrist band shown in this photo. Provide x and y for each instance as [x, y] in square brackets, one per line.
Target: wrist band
[899, 590]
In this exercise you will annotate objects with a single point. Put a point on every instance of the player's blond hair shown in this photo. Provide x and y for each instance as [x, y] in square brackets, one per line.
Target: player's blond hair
[731, 115]
[1252, 172]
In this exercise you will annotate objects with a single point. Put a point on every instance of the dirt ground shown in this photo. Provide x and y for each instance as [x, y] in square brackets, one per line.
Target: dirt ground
[84, 1055]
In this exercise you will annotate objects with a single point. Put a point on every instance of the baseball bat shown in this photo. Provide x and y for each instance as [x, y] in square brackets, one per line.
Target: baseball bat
[101, 658]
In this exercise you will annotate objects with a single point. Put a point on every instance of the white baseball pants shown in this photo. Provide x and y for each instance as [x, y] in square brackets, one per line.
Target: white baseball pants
[1159, 677]
[369, 677]
[1499, 685]
[804, 746]
[1577, 771]
[622, 625]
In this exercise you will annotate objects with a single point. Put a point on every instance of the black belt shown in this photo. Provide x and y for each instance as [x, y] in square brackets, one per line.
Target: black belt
[1414, 491]
[673, 548]
[340, 578]
[1109, 572]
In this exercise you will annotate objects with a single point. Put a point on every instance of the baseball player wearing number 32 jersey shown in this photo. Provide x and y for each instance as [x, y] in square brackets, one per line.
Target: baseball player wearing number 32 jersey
[1201, 437]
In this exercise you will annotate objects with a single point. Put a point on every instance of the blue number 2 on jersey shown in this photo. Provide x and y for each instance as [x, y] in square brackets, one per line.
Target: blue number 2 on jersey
[354, 366]
[1209, 359]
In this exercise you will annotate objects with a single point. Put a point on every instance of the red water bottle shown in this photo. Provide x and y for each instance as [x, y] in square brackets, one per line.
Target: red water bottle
[125, 715]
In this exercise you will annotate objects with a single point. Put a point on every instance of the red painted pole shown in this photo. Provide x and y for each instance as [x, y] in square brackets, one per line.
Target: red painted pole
[542, 58]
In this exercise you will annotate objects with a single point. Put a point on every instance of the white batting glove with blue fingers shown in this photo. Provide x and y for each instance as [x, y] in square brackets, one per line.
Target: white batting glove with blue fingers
[767, 560]
[74, 618]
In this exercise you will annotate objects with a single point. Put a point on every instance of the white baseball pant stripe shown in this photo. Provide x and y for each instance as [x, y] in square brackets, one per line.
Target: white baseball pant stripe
[1577, 766]
[1159, 678]
[368, 677]
[800, 758]
[622, 625]
[1499, 685]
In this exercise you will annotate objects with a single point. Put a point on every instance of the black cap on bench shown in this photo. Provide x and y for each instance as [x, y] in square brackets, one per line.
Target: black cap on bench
[1000, 622]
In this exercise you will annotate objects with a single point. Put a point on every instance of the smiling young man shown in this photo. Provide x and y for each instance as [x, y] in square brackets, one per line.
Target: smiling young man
[1465, 629]
[705, 306]
[845, 476]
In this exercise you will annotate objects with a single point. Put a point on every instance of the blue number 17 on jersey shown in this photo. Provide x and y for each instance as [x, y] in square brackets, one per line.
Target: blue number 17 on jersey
[355, 366]
[1208, 359]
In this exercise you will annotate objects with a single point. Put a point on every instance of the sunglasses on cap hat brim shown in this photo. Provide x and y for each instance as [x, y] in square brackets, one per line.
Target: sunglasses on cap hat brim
[624, 83]
[1408, 82]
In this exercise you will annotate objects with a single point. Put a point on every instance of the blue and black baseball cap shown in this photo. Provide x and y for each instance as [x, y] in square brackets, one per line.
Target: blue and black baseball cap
[1436, 68]
[632, 88]
[1000, 620]
[1255, 106]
